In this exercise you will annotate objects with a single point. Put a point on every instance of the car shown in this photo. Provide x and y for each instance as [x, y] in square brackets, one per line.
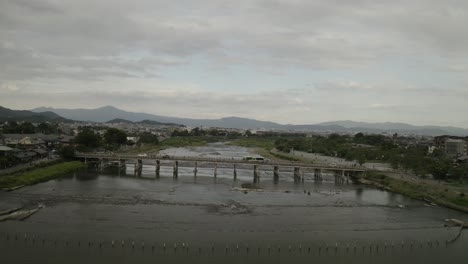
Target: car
[142, 155]
[332, 164]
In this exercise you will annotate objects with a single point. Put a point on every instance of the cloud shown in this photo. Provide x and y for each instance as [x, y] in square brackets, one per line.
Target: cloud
[352, 53]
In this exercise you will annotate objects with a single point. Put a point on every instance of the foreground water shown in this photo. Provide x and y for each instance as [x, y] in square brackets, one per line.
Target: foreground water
[107, 218]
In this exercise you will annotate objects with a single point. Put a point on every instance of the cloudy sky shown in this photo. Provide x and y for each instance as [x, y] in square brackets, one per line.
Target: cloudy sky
[289, 61]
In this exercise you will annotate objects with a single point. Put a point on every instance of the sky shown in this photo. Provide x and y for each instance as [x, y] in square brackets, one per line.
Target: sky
[288, 61]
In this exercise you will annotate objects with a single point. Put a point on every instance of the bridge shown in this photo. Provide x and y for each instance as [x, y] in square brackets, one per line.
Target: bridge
[102, 160]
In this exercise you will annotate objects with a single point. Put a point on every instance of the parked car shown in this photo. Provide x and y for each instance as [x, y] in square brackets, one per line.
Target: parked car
[143, 155]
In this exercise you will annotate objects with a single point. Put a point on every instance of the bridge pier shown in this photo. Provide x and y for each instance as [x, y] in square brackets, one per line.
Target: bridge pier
[275, 174]
[158, 169]
[256, 178]
[138, 167]
[215, 170]
[297, 174]
[175, 172]
[318, 175]
[195, 169]
[235, 172]
[101, 164]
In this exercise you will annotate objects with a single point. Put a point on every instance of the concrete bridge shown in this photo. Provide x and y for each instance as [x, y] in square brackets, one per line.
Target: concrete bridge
[102, 160]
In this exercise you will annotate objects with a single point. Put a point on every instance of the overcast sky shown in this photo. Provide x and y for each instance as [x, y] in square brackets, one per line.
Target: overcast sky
[289, 61]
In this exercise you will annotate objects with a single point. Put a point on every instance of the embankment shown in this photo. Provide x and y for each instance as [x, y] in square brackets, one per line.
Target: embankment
[441, 195]
[39, 175]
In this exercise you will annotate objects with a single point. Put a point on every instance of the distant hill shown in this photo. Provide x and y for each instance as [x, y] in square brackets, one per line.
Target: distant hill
[156, 123]
[118, 121]
[399, 128]
[7, 114]
[143, 122]
[106, 113]
[103, 114]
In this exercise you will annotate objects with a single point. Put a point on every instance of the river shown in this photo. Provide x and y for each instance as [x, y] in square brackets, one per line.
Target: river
[111, 217]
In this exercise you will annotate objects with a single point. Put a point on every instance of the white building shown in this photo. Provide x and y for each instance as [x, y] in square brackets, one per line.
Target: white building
[454, 147]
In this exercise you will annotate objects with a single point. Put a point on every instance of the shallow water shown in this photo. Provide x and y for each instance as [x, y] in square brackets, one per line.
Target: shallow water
[204, 219]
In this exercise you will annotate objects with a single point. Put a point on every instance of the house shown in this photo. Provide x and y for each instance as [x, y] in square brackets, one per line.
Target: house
[5, 151]
[41, 153]
[454, 147]
[26, 141]
[26, 156]
[462, 159]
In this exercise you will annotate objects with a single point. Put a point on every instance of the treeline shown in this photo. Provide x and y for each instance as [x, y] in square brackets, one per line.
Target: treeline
[363, 148]
[87, 139]
[198, 132]
[12, 127]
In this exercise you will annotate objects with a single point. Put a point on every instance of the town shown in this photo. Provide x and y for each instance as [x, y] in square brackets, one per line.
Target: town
[22, 143]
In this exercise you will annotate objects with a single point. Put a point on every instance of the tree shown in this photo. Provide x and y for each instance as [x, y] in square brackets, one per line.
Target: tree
[67, 152]
[114, 136]
[459, 173]
[23, 128]
[47, 128]
[148, 139]
[361, 160]
[359, 135]
[87, 138]
[440, 168]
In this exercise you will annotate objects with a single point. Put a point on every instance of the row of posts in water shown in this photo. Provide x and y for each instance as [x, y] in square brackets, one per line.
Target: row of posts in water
[174, 248]
[341, 176]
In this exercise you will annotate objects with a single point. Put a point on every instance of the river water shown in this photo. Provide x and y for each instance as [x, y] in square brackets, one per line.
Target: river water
[111, 217]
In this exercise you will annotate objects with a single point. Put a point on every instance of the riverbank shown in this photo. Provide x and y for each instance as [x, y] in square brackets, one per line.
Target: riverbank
[441, 195]
[39, 175]
[175, 142]
[21, 168]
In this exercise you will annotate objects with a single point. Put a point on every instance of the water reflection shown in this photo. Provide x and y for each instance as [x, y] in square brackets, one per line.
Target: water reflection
[211, 219]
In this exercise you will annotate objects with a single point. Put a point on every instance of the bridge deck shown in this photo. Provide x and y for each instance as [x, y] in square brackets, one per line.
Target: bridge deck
[220, 160]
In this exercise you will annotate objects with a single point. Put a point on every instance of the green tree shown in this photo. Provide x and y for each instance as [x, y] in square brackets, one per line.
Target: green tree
[114, 136]
[440, 168]
[88, 139]
[148, 138]
[459, 173]
[67, 152]
[361, 160]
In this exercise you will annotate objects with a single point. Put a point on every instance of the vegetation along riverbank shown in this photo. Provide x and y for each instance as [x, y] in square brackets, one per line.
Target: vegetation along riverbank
[39, 175]
[441, 195]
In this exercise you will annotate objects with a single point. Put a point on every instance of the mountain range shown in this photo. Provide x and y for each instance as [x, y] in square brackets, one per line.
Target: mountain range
[106, 113]
[29, 116]
[145, 122]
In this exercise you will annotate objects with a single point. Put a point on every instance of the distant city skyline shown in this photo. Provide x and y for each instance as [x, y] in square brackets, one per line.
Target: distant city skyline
[290, 62]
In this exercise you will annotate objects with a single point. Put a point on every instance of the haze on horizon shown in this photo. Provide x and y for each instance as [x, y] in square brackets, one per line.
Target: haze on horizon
[287, 61]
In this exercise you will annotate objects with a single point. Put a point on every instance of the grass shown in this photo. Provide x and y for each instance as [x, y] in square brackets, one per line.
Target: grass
[283, 156]
[254, 142]
[264, 147]
[40, 175]
[174, 142]
[442, 195]
[261, 146]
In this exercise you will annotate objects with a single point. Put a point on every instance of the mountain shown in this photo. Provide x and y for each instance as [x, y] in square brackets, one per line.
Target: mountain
[156, 123]
[7, 114]
[119, 120]
[106, 113]
[399, 128]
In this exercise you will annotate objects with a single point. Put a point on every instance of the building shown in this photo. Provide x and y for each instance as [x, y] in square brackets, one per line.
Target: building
[454, 147]
[4, 150]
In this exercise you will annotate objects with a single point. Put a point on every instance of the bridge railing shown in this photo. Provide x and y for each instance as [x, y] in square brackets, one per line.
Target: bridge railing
[219, 160]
